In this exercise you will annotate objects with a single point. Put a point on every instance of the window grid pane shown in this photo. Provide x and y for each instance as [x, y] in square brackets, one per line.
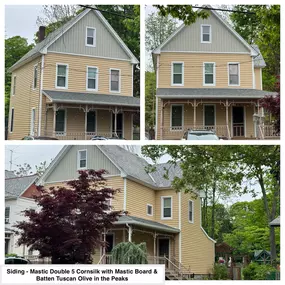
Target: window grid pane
[177, 73]
[12, 121]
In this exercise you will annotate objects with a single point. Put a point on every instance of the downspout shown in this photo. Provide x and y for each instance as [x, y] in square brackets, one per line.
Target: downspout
[179, 226]
[130, 231]
[41, 96]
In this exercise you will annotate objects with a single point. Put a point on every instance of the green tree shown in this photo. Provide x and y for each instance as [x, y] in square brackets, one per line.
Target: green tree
[263, 29]
[129, 253]
[15, 48]
[150, 102]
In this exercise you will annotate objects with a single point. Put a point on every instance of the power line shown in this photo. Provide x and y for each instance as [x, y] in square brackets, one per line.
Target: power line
[104, 11]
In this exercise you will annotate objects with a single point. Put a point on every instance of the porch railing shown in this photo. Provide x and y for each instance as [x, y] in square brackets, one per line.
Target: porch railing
[81, 135]
[269, 131]
[178, 132]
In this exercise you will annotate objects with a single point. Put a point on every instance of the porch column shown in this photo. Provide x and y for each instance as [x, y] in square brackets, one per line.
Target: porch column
[227, 116]
[85, 126]
[115, 121]
[194, 106]
[161, 121]
[154, 245]
[104, 247]
[130, 231]
[54, 119]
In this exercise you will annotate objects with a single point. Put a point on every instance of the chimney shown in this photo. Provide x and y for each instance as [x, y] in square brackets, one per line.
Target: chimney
[41, 33]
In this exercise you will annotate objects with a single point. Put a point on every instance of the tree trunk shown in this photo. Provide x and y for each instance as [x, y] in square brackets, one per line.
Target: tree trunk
[213, 210]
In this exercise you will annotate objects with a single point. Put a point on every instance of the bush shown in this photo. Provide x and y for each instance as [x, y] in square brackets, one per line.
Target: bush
[11, 255]
[254, 271]
[220, 272]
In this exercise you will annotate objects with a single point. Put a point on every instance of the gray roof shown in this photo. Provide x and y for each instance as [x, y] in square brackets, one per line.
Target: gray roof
[14, 187]
[258, 252]
[131, 164]
[135, 221]
[213, 93]
[9, 174]
[91, 98]
[275, 222]
[36, 51]
[258, 60]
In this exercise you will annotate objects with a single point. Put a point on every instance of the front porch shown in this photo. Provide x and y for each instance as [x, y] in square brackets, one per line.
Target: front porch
[229, 119]
[89, 115]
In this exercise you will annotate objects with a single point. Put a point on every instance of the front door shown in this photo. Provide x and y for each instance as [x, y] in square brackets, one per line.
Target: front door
[163, 250]
[119, 130]
[110, 243]
[209, 116]
[238, 121]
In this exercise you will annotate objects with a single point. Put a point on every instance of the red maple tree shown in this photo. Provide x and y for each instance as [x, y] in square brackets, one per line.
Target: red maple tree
[69, 225]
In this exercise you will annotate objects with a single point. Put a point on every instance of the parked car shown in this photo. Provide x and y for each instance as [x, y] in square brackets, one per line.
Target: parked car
[16, 260]
[101, 138]
[200, 135]
[30, 138]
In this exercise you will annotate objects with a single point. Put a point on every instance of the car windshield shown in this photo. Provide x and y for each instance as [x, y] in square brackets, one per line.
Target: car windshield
[202, 137]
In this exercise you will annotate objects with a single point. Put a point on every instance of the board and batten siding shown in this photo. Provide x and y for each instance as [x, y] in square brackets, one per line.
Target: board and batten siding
[193, 69]
[25, 98]
[73, 41]
[77, 69]
[138, 196]
[222, 39]
[67, 166]
[198, 251]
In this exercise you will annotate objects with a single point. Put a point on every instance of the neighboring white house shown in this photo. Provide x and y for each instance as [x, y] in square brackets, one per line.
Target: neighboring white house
[18, 197]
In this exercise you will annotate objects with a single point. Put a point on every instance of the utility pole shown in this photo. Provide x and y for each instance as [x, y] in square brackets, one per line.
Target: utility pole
[11, 159]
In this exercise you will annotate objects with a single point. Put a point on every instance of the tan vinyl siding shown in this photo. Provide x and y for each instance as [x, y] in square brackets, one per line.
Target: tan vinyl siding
[24, 100]
[222, 40]
[193, 69]
[68, 164]
[128, 127]
[138, 196]
[258, 80]
[198, 251]
[170, 222]
[73, 41]
[77, 66]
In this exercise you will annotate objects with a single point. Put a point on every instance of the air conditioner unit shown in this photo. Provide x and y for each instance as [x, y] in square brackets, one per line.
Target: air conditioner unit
[6, 220]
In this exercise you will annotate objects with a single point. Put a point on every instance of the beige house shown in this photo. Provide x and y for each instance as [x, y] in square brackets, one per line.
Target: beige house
[169, 222]
[75, 83]
[209, 77]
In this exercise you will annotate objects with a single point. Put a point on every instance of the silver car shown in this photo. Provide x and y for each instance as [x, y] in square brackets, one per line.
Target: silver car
[200, 135]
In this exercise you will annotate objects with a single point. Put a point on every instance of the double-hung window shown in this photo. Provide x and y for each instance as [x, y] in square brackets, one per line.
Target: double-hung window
[35, 79]
[7, 215]
[234, 74]
[177, 117]
[177, 74]
[166, 207]
[62, 76]
[206, 34]
[82, 159]
[209, 74]
[90, 40]
[191, 211]
[115, 76]
[92, 78]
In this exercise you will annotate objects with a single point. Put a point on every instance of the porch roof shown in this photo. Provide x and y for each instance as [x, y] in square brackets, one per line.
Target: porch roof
[275, 222]
[135, 221]
[91, 98]
[213, 93]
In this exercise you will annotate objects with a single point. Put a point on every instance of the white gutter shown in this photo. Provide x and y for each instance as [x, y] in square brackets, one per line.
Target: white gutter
[41, 96]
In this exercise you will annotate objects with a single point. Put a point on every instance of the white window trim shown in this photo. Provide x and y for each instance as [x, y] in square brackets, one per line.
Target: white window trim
[66, 81]
[59, 134]
[95, 120]
[182, 127]
[229, 73]
[11, 120]
[34, 122]
[210, 38]
[78, 159]
[149, 205]
[191, 222]
[162, 208]
[13, 89]
[97, 79]
[94, 37]
[35, 87]
[177, 84]
[214, 74]
[110, 77]
[8, 219]
[204, 113]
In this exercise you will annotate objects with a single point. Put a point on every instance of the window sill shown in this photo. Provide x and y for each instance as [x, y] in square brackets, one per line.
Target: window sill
[166, 218]
[59, 87]
[92, 90]
[172, 84]
[90, 45]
